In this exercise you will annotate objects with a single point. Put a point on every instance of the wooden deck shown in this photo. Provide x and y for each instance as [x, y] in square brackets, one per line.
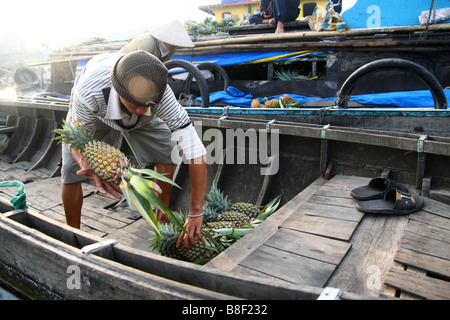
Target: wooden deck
[318, 238]
[101, 216]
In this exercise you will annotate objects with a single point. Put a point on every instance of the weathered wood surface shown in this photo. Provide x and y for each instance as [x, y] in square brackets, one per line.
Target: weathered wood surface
[101, 216]
[319, 238]
[308, 236]
[424, 254]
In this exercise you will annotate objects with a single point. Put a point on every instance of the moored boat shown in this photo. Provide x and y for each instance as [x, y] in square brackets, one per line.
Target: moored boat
[318, 233]
[317, 245]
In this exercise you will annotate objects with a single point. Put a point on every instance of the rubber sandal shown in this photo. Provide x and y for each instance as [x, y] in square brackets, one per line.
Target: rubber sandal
[395, 202]
[376, 189]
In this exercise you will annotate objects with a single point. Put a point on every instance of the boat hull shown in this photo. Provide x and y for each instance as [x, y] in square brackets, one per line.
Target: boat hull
[293, 157]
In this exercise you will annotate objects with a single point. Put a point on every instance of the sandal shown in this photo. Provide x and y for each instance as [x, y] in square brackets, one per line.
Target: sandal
[395, 202]
[376, 189]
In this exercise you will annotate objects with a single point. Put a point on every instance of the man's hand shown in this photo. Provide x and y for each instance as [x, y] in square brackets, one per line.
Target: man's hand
[103, 186]
[193, 226]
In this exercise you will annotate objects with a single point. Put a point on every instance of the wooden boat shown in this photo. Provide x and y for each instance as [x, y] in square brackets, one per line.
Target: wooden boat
[316, 246]
[317, 241]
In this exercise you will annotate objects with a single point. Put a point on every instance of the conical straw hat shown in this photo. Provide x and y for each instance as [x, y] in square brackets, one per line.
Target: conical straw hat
[172, 33]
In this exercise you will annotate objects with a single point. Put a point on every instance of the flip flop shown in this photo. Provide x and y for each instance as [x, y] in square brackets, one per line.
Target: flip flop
[376, 189]
[395, 202]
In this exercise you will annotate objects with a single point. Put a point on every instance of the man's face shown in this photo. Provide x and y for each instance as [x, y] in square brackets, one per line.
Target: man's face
[170, 47]
[132, 108]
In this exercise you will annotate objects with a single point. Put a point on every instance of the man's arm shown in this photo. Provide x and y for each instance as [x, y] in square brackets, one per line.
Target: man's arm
[193, 225]
[184, 134]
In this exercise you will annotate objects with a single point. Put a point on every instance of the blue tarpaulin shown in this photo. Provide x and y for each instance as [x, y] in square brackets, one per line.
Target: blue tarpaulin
[235, 58]
[403, 99]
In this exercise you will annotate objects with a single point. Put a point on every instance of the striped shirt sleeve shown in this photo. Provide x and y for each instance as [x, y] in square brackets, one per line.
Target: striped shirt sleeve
[87, 100]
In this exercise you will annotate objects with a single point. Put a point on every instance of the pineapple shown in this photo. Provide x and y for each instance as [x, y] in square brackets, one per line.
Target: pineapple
[166, 245]
[217, 200]
[209, 214]
[198, 254]
[248, 209]
[169, 236]
[235, 217]
[272, 103]
[108, 162]
[256, 103]
[218, 225]
[288, 102]
[111, 164]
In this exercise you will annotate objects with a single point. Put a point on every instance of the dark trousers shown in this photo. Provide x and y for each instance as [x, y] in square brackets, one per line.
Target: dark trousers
[285, 10]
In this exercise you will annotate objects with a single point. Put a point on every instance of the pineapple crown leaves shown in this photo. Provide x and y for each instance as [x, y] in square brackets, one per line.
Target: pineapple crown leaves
[287, 104]
[139, 193]
[210, 214]
[169, 236]
[73, 134]
[268, 210]
[217, 200]
[233, 233]
[148, 173]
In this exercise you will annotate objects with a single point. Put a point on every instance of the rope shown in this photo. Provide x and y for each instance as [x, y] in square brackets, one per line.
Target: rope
[20, 200]
[424, 34]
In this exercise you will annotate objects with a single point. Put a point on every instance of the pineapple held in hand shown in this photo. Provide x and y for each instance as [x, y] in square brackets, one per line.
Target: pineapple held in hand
[108, 163]
[111, 164]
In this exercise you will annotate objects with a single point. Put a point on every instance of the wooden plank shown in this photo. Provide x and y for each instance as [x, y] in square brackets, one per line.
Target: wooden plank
[340, 186]
[97, 203]
[289, 267]
[374, 244]
[438, 208]
[59, 211]
[238, 252]
[418, 284]
[425, 245]
[333, 192]
[431, 219]
[335, 201]
[331, 211]
[430, 231]
[311, 246]
[425, 262]
[327, 227]
[346, 183]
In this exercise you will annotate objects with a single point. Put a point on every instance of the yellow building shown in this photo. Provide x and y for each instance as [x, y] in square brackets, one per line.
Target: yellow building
[238, 9]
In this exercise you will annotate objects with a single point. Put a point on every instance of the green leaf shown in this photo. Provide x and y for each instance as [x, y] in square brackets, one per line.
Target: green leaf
[233, 233]
[269, 209]
[135, 200]
[148, 208]
[155, 175]
[214, 244]
[142, 188]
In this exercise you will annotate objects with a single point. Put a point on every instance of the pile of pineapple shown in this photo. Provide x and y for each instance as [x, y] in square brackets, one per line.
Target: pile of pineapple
[223, 224]
[286, 101]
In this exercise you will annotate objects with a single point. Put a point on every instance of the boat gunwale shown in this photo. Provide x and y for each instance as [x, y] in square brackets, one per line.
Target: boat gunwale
[200, 277]
[405, 141]
[331, 110]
